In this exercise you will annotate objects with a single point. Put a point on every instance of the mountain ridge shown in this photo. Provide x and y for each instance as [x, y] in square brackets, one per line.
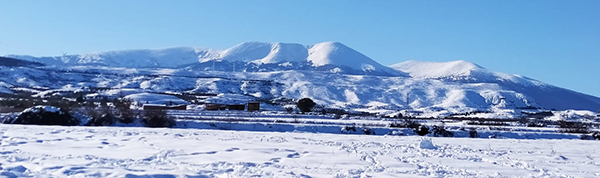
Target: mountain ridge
[359, 80]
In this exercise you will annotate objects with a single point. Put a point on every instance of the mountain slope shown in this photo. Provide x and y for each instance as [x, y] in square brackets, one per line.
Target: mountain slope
[330, 73]
[332, 90]
[142, 58]
[12, 62]
[547, 96]
[455, 69]
[262, 53]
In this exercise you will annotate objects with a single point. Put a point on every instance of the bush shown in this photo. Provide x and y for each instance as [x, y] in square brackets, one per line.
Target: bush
[406, 123]
[441, 131]
[158, 118]
[473, 133]
[347, 129]
[422, 130]
[305, 104]
[572, 127]
[533, 122]
[368, 131]
[289, 110]
[596, 135]
[124, 111]
[104, 120]
[44, 115]
[353, 129]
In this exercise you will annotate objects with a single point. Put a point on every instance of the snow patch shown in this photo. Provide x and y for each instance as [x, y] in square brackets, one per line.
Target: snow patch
[426, 143]
[153, 98]
[42, 108]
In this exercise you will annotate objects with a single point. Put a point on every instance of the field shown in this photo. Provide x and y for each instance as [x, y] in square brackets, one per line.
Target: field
[54, 151]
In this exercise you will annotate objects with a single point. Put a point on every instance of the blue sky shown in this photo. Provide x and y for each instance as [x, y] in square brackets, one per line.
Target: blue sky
[557, 42]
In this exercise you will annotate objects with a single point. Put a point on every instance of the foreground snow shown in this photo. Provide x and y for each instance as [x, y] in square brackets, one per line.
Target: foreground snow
[131, 152]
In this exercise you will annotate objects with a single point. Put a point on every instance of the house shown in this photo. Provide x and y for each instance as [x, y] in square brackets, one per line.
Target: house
[253, 105]
[239, 107]
[163, 107]
[214, 107]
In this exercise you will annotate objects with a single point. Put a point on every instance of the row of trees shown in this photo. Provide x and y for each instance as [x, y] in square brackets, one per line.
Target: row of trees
[88, 114]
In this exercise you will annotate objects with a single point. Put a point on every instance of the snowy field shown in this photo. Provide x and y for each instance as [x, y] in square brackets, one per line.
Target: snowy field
[52, 151]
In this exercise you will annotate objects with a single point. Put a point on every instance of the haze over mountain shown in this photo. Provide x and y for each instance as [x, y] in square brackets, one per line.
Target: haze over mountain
[330, 72]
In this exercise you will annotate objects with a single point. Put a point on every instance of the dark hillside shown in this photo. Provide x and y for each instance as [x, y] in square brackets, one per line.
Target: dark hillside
[12, 62]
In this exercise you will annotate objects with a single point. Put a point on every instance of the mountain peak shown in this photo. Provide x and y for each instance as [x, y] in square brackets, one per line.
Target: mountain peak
[326, 56]
[458, 68]
[264, 53]
[331, 55]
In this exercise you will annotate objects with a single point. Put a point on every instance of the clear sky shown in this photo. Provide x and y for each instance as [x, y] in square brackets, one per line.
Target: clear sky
[557, 42]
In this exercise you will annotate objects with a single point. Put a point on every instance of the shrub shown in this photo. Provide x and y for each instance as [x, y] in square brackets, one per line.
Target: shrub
[17, 104]
[572, 127]
[158, 118]
[533, 122]
[289, 110]
[406, 123]
[106, 119]
[596, 135]
[441, 131]
[305, 104]
[124, 111]
[347, 129]
[368, 131]
[44, 115]
[473, 133]
[422, 130]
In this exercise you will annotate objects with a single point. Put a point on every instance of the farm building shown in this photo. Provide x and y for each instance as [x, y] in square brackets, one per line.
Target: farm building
[239, 107]
[253, 105]
[164, 107]
[214, 107]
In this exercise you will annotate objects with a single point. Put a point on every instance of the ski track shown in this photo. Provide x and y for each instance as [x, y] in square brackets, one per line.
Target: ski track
[38, 151]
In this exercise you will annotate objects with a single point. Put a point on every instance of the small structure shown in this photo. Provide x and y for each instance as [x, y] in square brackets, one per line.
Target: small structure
[239, 107]
[253, 105]
[214, 107]
[164, 107]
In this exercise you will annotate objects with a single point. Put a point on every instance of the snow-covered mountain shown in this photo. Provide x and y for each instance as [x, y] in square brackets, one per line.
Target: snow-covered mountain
[142, 58]
[468, 73]
[333, 57]
[330, 73]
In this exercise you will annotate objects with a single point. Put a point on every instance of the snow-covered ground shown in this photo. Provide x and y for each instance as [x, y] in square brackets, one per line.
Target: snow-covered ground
[52, 151]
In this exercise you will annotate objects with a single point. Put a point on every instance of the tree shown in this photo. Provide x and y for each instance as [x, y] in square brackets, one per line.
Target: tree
[80, 99]
[422, 130]
[104, 102]
[158, 118]
[305, 104]
[44, 115]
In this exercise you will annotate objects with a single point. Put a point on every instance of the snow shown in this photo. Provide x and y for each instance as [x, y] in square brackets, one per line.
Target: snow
[264, 53]
[335, 90]
[426, 144]
[330, 73]
[153, 98]
[230, 99]
[52, 151]
[246, 56]
[572, 115]
[43, 108]
[439, 69]
[164, 57]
